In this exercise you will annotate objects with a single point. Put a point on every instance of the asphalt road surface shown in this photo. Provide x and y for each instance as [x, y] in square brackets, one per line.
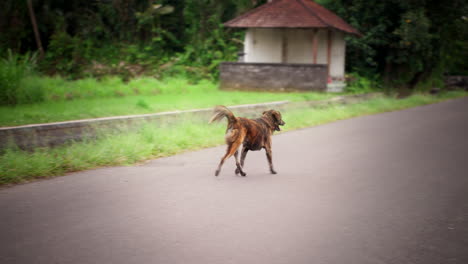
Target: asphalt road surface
[388, 188]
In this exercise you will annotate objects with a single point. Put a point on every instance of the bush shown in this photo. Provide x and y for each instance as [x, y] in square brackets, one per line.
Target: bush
[66, 54]
[357, 83]
[30, 90]
[16, 86]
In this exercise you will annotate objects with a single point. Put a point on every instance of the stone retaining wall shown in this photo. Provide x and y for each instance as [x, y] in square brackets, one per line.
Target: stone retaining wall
[273, 76]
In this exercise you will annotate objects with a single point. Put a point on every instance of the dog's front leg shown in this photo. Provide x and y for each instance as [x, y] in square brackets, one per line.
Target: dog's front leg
[270, 160]
[243, 155]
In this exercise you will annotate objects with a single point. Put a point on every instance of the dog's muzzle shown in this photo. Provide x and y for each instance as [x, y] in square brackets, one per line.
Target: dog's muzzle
[277, 128]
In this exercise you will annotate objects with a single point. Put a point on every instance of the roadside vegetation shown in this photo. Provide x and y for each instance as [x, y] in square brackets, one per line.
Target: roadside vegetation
[123, 57]
[405, 44]
[90, 98]
[153, 141]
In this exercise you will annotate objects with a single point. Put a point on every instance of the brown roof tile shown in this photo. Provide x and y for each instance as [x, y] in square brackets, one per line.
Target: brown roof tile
[291, 14]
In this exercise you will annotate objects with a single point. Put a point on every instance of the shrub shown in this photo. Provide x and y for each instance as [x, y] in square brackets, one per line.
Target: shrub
[60, 55]
[30, 90]
[16, 86]
[357, 83]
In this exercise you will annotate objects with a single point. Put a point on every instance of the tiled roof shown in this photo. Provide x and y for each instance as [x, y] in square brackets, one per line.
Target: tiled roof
[291, 14]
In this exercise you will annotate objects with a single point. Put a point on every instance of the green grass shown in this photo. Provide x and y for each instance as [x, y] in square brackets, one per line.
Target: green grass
[153, 141]
[301, 118]
[112, 149]
[89, 98]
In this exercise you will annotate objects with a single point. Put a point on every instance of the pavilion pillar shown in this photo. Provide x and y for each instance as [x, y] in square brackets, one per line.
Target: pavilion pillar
[314, 45]
[284, 46]
[329, 51]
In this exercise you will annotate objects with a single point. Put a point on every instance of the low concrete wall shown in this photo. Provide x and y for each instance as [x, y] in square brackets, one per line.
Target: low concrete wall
[273, 76]
[343, 100]
[54, 134]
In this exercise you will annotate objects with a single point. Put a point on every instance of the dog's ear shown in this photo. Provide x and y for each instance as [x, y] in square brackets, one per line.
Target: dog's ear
[276, 115]
[278, 118]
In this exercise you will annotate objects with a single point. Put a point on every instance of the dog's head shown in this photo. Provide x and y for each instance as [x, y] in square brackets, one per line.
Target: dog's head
[275, 117]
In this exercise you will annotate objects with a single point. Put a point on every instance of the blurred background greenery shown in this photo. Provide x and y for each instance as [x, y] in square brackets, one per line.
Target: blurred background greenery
[405, 43]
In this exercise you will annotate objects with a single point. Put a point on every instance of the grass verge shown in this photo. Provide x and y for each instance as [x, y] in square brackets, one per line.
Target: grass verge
[153, 141]
[89, 98]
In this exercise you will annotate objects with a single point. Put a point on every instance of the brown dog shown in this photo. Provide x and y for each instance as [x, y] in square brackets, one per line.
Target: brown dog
[253, 134]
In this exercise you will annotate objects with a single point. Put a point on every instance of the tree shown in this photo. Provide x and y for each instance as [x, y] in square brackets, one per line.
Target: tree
[411, 42]
[36, 31]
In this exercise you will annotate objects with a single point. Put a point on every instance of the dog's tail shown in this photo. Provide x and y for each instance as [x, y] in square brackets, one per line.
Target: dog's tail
[221, 111]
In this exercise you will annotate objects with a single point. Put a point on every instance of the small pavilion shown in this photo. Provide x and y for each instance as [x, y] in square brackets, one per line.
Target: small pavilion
[289, 45]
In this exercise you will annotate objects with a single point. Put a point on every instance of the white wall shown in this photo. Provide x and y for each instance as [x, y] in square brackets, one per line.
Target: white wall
[337, 69]
[322, 46]
[262, 45]
[300, 49]
[265, 45]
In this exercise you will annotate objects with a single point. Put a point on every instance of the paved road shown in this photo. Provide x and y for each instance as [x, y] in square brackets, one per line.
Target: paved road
[389, 188]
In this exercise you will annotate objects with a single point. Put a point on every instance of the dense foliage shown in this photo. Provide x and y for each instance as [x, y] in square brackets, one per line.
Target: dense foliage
[406, 42]
[125, 36]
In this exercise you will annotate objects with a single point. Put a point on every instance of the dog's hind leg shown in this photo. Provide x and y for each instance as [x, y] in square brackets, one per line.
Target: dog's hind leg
[239, 165]
[221, 163]
[230, 151]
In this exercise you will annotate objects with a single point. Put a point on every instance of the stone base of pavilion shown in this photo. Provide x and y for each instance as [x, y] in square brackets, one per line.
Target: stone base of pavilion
[336, 87]
[273, 76]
